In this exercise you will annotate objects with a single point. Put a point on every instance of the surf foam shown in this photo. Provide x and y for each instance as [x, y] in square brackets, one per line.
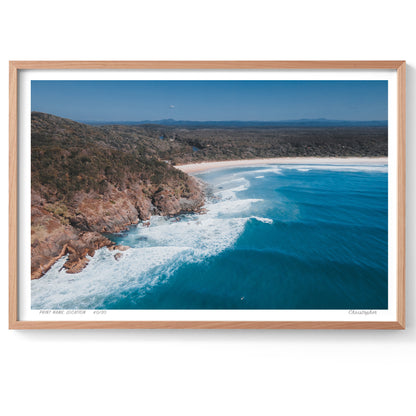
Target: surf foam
[156, 252]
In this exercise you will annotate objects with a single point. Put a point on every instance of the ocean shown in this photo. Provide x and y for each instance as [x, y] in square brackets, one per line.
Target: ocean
[273, 237]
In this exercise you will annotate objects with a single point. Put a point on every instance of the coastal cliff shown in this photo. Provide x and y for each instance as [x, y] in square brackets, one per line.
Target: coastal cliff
[87, 181]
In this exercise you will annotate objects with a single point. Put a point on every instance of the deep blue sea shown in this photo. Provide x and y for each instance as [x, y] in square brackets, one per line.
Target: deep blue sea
[273, 237]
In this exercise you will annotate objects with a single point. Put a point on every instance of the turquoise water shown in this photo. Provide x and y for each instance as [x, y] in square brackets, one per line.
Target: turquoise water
[273, 237]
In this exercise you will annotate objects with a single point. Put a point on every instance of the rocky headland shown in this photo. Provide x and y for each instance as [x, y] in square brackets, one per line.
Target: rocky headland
[88, 181]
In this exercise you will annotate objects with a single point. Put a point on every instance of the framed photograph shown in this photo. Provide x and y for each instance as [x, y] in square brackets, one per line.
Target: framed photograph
[202, 194]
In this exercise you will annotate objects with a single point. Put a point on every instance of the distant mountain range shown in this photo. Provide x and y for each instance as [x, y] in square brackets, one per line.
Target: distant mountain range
[303, 122]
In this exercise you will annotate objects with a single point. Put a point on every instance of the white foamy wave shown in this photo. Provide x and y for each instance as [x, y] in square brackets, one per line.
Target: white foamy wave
[226, 195]
[231, 206]
[171, 245]
[205, 232]
[259, 177]
[240, 188]
[157, 251]
[339, 168]
[229, 193]
[267, 169]
[263, 220]
[237, 180]
[138, 267]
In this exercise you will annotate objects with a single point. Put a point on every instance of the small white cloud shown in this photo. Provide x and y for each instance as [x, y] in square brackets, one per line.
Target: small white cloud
[171, 106]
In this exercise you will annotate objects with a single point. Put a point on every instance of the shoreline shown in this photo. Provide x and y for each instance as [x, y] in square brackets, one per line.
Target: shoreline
[78, 244]
[205, 166]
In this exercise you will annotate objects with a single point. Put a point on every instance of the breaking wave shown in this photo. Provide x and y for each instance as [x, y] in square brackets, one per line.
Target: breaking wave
[339, 168]
[156, 252]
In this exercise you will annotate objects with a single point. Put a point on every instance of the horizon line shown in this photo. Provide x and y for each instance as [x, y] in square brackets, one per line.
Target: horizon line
[214, 121]
[230, 120]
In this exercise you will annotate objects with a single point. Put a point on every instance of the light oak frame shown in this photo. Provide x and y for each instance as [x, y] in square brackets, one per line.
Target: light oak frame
[15, 66]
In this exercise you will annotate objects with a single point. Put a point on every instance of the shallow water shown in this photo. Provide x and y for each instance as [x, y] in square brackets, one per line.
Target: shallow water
[273, 237]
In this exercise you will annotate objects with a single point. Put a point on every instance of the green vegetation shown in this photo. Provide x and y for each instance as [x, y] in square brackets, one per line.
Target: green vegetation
[69, 157]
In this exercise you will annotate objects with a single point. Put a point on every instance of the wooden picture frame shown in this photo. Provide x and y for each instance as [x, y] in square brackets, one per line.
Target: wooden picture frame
[399, 67]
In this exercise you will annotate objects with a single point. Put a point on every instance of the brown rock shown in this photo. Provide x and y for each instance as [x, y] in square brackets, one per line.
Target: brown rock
[86, 244]
[118, 256]
[49, 237]
[120, 248]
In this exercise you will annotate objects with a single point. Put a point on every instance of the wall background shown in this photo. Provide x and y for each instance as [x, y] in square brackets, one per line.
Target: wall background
[208, 372]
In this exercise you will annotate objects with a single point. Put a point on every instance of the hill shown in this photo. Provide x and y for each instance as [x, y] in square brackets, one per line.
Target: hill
[190, 145]
[87, 181]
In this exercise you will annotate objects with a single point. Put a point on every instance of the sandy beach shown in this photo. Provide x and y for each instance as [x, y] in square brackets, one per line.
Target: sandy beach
[203, 166]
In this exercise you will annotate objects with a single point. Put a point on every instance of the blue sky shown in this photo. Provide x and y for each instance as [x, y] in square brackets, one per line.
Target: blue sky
[211, 100]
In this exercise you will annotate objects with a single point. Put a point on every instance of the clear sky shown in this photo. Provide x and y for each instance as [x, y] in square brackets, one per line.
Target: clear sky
[211, 100]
